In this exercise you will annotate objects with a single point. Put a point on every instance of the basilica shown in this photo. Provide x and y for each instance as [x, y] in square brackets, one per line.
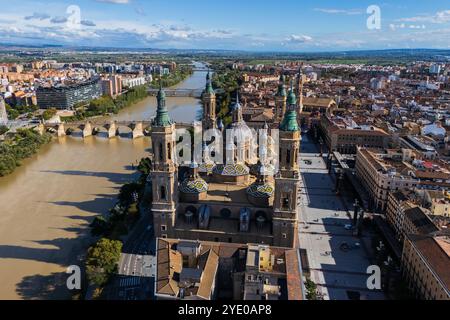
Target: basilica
[242, 200]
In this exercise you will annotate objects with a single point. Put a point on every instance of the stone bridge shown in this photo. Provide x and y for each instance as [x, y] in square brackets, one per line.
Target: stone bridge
[109, 128]
[195, 93]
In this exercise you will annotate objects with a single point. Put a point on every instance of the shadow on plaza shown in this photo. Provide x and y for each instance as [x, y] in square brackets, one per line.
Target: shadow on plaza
[60, 251]
[98, 206]
[321, 191]
[117, 178]
[44, 287]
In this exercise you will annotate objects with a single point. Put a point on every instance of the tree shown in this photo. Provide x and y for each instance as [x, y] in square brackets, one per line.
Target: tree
[49, 113]
[99, 227]
[145, 166]
[3, 129]
[311, 290]
[133, 212]
[102, 259]
[127, 191]
[12, 113]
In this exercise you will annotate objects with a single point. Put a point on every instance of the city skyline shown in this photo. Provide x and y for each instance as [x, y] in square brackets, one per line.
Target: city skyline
[292, 27]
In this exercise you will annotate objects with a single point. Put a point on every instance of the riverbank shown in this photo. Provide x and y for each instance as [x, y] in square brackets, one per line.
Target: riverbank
[49, 201]
[106, 105]
[48, 204]
[21, 146]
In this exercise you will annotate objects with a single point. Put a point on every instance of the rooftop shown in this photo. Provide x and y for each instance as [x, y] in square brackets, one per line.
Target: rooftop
[436, 250]
[192, 271]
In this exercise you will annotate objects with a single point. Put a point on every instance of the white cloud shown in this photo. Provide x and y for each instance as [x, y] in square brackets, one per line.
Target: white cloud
[58, 20]
[438, 18]
[294, 38]
[87, 23]
[115, 1]
[38, 16]
[339, 11]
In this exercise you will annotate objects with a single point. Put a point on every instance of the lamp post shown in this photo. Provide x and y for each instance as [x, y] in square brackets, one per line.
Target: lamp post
[355, 212]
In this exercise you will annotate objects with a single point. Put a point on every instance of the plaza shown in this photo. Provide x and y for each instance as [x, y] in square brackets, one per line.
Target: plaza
[322, 233]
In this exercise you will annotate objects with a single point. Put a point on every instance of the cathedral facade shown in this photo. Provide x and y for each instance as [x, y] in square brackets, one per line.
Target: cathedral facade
[242, 200]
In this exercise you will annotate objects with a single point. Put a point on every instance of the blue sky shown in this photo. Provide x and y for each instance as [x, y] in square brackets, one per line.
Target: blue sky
[264, 25]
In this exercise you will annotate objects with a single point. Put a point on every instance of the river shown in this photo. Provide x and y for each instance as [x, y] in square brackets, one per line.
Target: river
[46, 205]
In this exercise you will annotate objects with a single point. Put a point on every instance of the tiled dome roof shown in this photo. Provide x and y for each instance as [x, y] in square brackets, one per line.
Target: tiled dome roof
[206, 167]
[194, 186]
[237, 169]
[261, 190]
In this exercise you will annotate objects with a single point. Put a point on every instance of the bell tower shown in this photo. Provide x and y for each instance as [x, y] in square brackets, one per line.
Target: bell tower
[280, 100]
[209, 105]
[285, 215]
[164, 170]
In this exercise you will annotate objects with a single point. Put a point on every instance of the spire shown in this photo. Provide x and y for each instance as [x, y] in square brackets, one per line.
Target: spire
[220, 124]
[292, 99]
[236, 109]
[289, 122]
[281, 88]
[209, 88]
[237, 104]
[162, 118]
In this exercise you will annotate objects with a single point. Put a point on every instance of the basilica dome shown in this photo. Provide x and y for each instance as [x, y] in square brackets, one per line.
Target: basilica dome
[234, 169]
[261, 190]
[195, 186]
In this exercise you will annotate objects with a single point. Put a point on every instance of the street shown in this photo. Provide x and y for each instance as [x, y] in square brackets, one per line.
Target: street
[136, 271]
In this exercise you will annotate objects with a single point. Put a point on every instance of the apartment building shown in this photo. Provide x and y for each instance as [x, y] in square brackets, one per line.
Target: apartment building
[344, 135]
[425, 265]
[67, 96]
[382, 171]
[406, 217]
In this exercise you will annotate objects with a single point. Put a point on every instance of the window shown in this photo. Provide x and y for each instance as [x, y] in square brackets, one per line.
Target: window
[169, 151]
[160, 152]
[163, 193]
[284, 235]
[285, 203]
[164, 236]
[288, 156]
[225, 213]
[163, 228]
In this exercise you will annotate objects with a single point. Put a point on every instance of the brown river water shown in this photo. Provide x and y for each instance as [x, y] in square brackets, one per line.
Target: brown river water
[47, 204]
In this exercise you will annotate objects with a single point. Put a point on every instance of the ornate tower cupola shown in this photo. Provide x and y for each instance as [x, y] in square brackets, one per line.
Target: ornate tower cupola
[164, 170]
[209, 105]
[280, 100]
[289, 122]
[162, 118]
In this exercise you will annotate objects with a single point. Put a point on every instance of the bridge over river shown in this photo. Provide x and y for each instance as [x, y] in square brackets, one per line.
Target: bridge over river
[194, 93]
[108, 128]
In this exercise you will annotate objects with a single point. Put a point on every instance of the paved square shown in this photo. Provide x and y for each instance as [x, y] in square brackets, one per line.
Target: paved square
[323, 216]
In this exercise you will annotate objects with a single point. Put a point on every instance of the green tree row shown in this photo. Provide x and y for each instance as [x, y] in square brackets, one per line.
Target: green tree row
[103, 256]
[14, 112]
[21, 146]
[173, 78]
[228, 81]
